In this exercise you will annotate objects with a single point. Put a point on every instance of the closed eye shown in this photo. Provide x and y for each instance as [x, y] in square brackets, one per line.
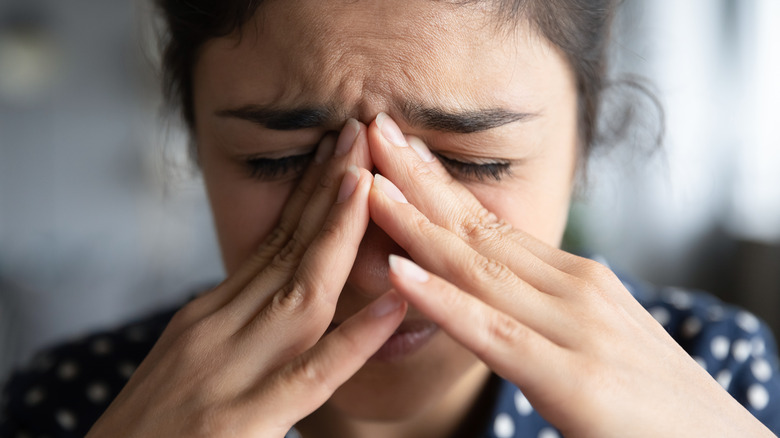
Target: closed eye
[274, 169]
[471, 171]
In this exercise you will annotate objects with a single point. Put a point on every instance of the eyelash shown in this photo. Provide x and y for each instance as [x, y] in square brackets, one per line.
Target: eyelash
[271, 169]
[477, 172]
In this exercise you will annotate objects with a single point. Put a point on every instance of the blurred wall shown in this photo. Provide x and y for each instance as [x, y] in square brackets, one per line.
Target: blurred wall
[704, 210]
[101, 220]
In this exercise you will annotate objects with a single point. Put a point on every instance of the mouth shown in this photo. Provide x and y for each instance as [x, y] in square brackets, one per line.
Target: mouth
[408, 338]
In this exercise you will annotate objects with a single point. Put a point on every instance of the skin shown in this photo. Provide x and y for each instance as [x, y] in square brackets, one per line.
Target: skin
[415, 53]
[306, 250]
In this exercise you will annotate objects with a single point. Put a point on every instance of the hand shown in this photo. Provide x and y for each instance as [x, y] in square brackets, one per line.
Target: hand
[248, 358]
[587, 356]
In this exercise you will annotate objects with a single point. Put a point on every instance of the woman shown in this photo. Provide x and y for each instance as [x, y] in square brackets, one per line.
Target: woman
[429, 299]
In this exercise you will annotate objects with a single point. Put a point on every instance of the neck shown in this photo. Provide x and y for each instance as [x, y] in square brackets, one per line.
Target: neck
[447, 416]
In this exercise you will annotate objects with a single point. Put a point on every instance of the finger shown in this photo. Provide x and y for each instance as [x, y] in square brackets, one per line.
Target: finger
[495, 337]
[280, 264]
[445, 201]
[491, 281]
[590, 286]
[209, 301]
[312, 378]
[427, 242]
[303, 306]
[351, 150]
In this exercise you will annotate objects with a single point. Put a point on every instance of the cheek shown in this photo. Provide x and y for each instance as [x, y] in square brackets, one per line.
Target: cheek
[536, 207]
[245, 211]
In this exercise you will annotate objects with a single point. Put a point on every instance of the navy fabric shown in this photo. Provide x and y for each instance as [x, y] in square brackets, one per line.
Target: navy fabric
[66, 388]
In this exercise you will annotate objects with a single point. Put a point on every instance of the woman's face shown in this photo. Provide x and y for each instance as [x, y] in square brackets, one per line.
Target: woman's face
[357, 59]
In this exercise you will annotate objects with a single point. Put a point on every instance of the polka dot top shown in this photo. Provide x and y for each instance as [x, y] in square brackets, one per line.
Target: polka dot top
[64, 389]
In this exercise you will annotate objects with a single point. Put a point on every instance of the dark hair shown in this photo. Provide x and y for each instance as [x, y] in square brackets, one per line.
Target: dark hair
[579, 28]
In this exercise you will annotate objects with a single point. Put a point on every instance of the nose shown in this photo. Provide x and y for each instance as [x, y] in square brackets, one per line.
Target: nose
[369, 276]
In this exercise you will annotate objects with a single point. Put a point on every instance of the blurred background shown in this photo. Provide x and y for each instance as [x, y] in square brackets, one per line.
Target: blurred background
[103, 219]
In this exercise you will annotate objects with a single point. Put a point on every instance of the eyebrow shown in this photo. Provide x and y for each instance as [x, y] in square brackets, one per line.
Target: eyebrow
[463, 121]
[281, 119]
[418, 115]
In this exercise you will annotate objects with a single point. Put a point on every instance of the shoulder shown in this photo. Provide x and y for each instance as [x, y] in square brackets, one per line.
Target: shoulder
[732, 344]
[65, 388]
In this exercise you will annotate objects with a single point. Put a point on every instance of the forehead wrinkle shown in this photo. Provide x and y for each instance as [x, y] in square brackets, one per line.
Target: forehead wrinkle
[370, 68]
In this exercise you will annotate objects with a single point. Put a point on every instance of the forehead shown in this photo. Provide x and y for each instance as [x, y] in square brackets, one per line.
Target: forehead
[362, 57]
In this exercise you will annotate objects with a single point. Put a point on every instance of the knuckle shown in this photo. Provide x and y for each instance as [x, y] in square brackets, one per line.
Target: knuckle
[325, 183]
[278, 236]
[480, 227]
[489, 270]
[419, 167]
[289, 255]
[295, 296]
[287, 300]
[501, 329]
[333, 230]
[310, 374]
[186, 316]
[422, 224]
[595, 273]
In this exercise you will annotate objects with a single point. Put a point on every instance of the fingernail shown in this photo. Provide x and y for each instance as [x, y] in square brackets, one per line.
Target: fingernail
[348, 184]
[390, 131]
[389, 189]
[347, 137]
[386, 304]
[419, 146]
[406, 268]
[325, 149]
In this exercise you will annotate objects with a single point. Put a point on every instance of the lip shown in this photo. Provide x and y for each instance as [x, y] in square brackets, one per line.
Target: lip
[408, 338]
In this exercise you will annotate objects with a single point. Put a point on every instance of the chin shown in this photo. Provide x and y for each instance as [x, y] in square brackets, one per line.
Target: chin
[401, 390]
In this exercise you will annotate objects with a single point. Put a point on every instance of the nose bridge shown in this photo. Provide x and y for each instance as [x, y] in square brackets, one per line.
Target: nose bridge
[370, 85]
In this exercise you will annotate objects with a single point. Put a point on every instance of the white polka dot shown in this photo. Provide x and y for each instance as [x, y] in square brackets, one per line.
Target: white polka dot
[761, 369]
[680, 299]
[97, 392]
[715, 313]
[67, 370]
[66, 419]
[724, 378]
[747, 322]
[741, 349]
[719, 347]
[34, 396]
[758, 397]
[101, 346]
[522, 404]
[759, 347]
[702, 363]
[691, 327]
[548, 433]
[126, 369]
[504, 427]
[661, 315]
